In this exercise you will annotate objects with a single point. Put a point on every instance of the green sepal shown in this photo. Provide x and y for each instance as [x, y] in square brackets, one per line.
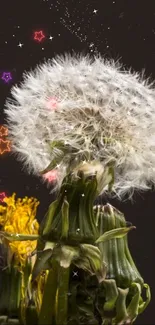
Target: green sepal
[65, 255]
[144, 304]
[46, 224]
[41, 261]
[121, 312]
[65, 219]
[111, 293]
[114, 233]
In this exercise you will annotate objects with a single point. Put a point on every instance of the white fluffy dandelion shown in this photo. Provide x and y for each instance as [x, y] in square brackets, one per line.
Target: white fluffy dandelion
[75, 108]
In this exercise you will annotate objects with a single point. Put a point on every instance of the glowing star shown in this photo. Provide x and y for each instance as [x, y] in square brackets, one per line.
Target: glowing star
[4, 146]
[6, 76]
[2, 196]
[51, 175]
[20, 45]
[38, 36]
[3, 131]
[52, 103]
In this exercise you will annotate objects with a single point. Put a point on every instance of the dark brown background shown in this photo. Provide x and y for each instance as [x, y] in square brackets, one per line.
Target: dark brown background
[119, 29]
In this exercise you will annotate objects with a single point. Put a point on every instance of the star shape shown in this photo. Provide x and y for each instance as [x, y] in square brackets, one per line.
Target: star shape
[3, 131]
[38, 36]
[75, 273]
[6, 76]
[4, 146]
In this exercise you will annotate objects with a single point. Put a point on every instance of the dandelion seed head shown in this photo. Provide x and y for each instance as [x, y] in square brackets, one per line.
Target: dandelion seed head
[101, 112]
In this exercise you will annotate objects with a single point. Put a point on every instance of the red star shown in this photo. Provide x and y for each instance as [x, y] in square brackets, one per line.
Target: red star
[38, 36]
[3, 131]
[4, 146]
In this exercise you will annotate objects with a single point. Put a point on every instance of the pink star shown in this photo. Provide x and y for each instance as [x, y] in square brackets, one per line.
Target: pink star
[38, 36]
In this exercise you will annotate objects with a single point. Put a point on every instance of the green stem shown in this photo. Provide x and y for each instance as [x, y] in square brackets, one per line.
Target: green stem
[48, 303]
[62, 296]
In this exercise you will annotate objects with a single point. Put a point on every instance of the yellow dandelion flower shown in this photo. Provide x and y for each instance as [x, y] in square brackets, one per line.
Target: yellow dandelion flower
[19, 217]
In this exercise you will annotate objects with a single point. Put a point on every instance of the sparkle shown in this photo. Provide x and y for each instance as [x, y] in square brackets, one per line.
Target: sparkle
[50, 38]
[20, 45]
[82, 194]
[75, 273]
[95, 11]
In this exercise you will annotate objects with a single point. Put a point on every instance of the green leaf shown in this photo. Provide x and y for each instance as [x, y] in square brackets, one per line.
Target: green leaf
[145, 303]
[49, 218]
[111, 294]
[61, 146]
[41, 261]
[47, 311]
[17, 237]
[114, 233]
[111, 183]
[65, 219]
[67, 255]
[121, 312]
[132, 310]
[62, 296]
[31, 315]
[93, 254]
[15, 291]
